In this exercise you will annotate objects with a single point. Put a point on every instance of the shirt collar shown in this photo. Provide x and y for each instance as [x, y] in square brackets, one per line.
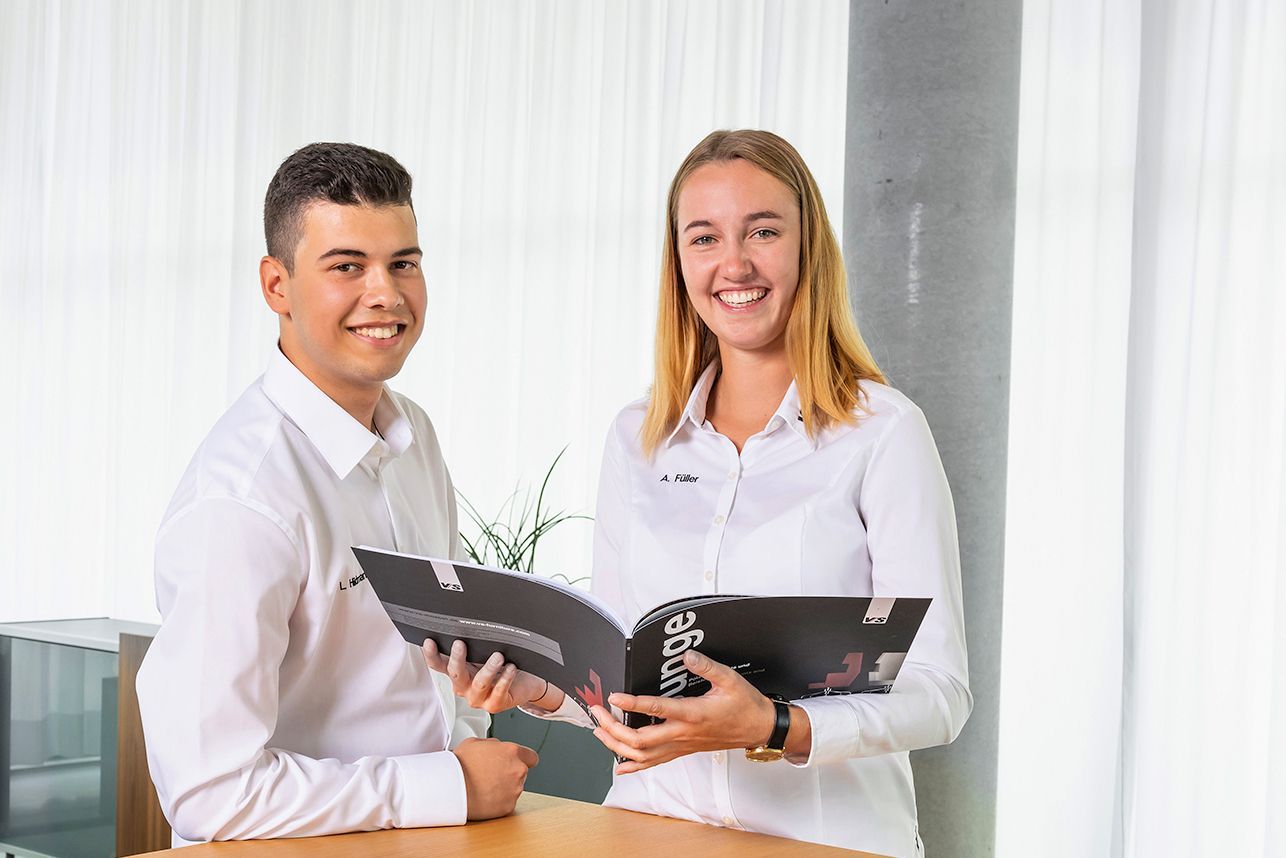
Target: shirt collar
[790, 414]
[694, 412]
[341, 440]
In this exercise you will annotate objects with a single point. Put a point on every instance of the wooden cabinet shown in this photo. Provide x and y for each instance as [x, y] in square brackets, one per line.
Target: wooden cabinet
[140, 825]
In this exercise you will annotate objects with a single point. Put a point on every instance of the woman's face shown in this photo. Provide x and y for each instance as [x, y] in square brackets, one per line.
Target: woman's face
[738, 234]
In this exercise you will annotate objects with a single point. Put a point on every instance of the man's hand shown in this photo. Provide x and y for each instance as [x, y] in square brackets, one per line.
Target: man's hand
[493, 686]
[732, 714]
[494, 772]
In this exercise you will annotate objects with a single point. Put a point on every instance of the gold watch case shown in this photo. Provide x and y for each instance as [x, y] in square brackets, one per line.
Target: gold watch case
[764, 754]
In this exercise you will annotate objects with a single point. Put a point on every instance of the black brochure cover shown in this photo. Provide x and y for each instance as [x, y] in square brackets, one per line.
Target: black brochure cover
[790, 646]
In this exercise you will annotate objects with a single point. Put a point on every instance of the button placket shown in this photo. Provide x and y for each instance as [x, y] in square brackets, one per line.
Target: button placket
[720, 764]
[388, 506]
[723, 506]
[721, 780]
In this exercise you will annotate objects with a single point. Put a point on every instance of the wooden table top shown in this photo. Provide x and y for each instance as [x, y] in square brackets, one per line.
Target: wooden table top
[541, 826]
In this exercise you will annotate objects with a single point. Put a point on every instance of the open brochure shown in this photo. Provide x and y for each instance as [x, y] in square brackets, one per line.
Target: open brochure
[790, 646]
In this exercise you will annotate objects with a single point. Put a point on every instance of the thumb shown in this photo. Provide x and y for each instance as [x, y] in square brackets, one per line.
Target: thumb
[707, 667]
[528, 757]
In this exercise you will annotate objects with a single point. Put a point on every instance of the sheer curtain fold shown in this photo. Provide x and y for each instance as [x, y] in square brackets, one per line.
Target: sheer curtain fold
[1207, 383]
[1061, 686]
[1151, 701]
[138, 137]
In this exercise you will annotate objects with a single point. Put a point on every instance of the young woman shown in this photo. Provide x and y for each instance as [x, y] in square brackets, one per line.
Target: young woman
[806, 474]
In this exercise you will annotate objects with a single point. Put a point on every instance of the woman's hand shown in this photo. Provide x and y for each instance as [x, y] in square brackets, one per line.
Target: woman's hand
[493, 686]
[732, 714]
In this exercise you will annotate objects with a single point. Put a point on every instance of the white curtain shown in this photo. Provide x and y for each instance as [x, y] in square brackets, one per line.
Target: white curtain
[1143, 702]
[137, 138]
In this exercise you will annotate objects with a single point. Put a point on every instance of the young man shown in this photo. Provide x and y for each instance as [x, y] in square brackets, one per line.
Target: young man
[277, 699]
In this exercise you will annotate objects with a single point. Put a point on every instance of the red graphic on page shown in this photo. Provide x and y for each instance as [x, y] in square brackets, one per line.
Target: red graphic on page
[845, 679]
[594, 697]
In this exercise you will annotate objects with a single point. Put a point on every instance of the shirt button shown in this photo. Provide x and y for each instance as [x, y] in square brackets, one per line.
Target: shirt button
[718, 519]
[732, 475]
[727, 821]
[709, 575]
[718, 757]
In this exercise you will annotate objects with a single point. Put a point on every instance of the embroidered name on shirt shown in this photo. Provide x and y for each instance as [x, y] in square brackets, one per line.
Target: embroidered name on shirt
[352, 582]
[679, 478]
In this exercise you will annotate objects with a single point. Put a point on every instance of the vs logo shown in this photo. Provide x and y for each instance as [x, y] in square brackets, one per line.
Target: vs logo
[444, 571]
[877, 613]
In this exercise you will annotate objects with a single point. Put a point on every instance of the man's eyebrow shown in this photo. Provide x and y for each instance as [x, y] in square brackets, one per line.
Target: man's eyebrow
[361, 254]
[342, 251]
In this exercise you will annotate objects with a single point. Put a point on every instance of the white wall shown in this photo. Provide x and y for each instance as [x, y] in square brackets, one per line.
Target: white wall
[137, 139]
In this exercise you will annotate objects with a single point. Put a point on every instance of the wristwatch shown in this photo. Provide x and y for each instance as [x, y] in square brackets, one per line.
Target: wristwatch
[775, 748]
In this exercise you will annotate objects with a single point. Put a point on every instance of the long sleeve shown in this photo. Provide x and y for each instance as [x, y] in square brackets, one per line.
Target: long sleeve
[229, 576]
[905, 503]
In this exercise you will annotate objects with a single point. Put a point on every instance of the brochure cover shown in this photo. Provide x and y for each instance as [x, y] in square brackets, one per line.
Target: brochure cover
[791, 646]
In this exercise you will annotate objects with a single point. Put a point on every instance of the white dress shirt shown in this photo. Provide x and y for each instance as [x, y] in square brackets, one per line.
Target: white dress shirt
[277, 698]
[862, 510]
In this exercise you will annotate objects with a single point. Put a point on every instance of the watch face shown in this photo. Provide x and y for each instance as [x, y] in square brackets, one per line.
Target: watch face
[764, 754]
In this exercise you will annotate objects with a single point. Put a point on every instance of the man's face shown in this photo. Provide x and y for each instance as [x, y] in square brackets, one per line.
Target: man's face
[354, 306]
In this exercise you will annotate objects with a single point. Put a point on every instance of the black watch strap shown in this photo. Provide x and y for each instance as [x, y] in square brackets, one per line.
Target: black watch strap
[777, 741]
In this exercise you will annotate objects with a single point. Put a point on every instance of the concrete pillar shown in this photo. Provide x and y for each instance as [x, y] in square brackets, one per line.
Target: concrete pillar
[930, 166]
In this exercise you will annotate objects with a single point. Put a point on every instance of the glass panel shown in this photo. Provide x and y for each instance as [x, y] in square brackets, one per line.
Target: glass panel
[57, 749]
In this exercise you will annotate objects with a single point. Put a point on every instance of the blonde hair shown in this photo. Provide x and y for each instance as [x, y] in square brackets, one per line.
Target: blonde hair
[827, 355]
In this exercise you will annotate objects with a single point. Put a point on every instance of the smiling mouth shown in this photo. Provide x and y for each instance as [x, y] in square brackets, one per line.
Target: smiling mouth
[383, 332]
[741, 297]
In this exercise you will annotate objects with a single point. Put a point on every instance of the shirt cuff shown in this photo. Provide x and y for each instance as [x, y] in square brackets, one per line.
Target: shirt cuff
[432, 791]
[568, 712]
[835, 733]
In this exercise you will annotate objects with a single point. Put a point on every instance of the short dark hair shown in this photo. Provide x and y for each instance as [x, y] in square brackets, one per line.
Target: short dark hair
[343, 173]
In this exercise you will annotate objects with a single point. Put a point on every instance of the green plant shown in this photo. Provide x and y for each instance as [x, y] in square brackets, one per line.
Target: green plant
[510, 538]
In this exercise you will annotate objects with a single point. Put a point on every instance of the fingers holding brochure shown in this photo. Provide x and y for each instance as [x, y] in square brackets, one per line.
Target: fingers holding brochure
[731, 714]
[494, 685]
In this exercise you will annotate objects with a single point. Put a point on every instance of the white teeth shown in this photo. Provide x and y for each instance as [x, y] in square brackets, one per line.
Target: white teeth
[742, 297]
[377, 333]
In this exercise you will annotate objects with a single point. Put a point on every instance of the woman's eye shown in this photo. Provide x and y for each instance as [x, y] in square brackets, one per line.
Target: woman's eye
[703, 239]
[764, 233]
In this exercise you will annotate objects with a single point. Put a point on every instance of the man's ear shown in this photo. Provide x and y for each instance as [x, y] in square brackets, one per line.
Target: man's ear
[273, 280]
